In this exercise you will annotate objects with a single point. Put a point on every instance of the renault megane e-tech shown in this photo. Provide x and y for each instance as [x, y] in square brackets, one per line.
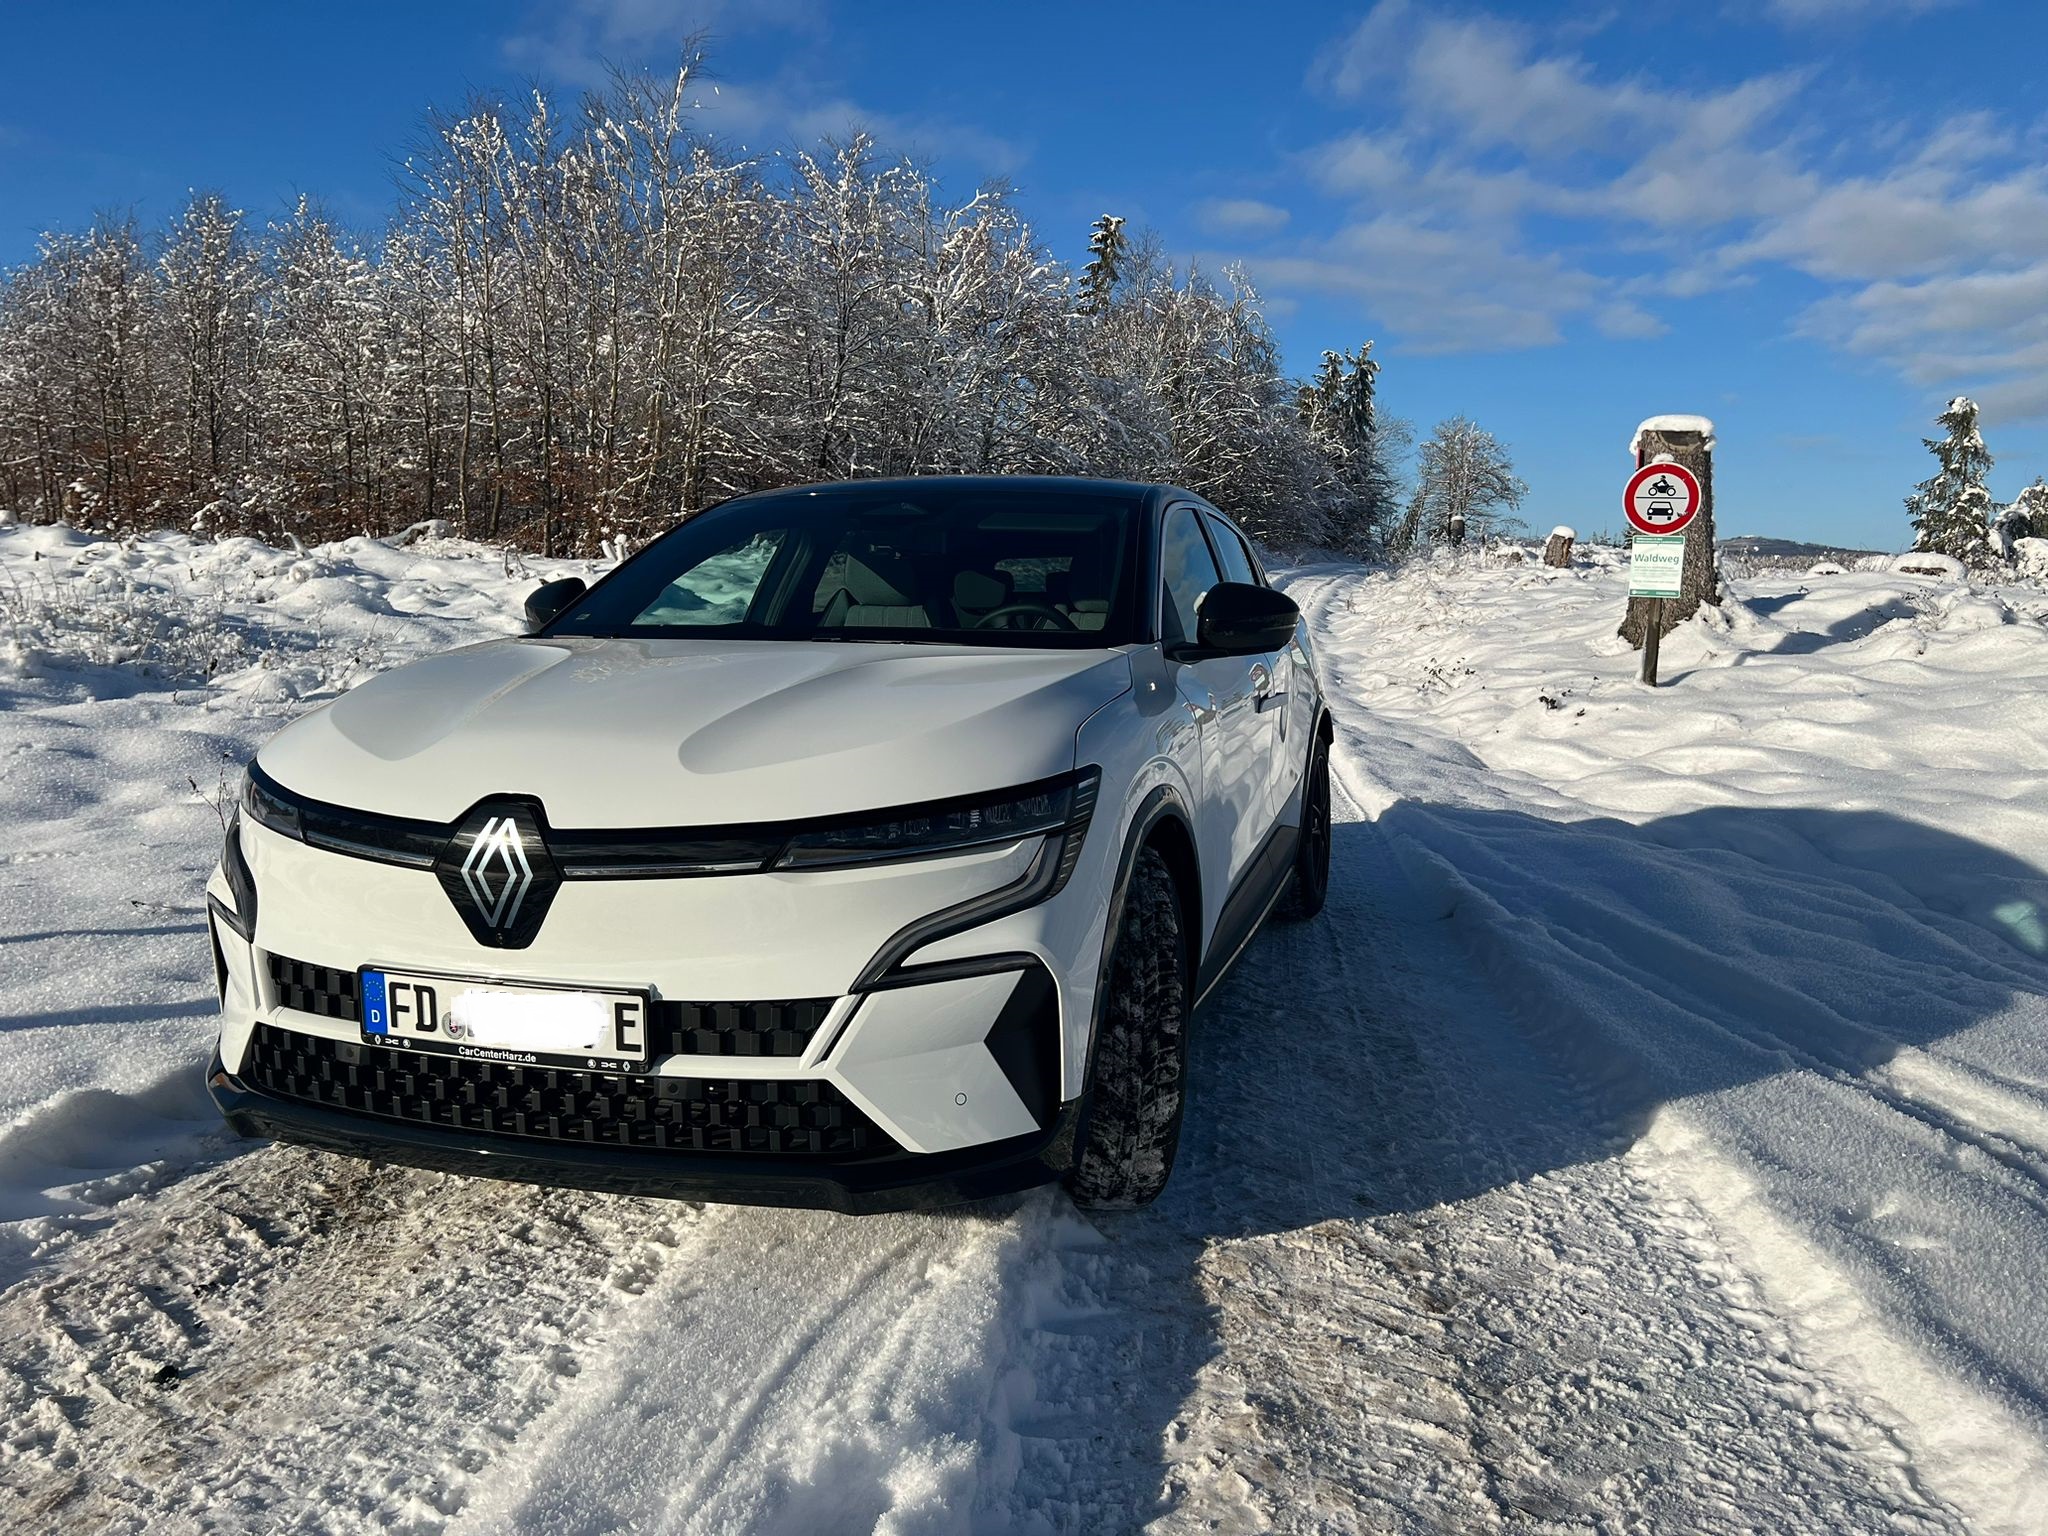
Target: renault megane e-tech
[861, 845]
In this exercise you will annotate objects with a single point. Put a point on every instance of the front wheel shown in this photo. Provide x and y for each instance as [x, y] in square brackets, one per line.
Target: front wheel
[1310, 886]
[1141, 1056]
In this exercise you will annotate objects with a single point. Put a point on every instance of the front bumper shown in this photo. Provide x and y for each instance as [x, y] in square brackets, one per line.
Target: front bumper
[901, 1181]
[956, 1055]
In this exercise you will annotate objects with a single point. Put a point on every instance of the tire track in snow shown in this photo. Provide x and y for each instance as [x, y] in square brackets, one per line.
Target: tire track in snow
[1750, 1142]
[804, 1372]
[1427, 1294]
[287, 1332]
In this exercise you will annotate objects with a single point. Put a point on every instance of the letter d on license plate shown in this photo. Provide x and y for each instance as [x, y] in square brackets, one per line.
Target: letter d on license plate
[520, 1023]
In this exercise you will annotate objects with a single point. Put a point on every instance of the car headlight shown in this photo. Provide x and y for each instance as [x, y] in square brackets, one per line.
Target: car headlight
[241, 884]
[389, 839]
[1051, 805]
[265, 803]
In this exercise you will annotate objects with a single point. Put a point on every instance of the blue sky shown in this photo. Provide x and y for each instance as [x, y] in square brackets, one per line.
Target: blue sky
[1812, 220]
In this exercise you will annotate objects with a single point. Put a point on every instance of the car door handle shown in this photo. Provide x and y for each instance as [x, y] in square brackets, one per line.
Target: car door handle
[1268, 701]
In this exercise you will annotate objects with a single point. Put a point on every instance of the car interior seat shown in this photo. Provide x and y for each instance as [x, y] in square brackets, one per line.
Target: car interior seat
[1069, 592]
[977, 594]
[877, 590]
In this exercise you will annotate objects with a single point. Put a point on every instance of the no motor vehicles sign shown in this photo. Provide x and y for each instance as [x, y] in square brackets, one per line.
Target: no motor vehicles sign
[1661, 498]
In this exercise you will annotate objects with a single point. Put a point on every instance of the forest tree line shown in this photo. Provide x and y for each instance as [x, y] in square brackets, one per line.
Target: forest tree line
[581, 326]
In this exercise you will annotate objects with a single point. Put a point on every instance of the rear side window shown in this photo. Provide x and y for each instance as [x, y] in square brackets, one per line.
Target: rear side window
[1235, 554]
[1188, 571]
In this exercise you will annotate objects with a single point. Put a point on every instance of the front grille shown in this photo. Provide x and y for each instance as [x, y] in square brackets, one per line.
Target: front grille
[655, 1114]
[690, 1029]
[317, 989]
[739, 1029]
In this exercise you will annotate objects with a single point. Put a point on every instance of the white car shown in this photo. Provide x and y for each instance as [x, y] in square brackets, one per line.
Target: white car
[861, 846]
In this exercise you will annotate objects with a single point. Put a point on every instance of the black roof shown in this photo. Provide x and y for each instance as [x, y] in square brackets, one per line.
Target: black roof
[911, 484]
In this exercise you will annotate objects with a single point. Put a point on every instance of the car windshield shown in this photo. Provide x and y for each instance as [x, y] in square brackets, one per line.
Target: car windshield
[955, 564]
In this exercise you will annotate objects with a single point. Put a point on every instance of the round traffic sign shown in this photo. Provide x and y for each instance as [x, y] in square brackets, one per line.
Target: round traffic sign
[1661, 498]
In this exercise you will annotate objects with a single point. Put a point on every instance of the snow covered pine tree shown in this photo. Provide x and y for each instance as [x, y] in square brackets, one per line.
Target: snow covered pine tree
[1107, 249]
[1951, 509]
[2025, 517]
[1339, 409]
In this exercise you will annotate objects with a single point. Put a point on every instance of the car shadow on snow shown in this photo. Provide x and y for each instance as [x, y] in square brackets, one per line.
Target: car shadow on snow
[1492, 996]
[1635, 965]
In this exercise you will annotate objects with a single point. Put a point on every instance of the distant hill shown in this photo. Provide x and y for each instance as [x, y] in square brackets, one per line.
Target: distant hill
[1789, 549]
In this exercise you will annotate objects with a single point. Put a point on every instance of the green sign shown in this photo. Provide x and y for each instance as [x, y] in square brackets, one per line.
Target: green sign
[1655, 562]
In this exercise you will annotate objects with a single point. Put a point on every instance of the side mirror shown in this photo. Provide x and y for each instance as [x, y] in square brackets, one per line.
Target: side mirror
[546, 602]
[1240, 619]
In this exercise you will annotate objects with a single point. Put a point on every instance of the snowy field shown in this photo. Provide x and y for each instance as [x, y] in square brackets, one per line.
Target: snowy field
[1652, 1136]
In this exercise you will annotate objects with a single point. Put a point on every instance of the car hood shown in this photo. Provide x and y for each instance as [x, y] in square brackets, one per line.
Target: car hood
[621, 733]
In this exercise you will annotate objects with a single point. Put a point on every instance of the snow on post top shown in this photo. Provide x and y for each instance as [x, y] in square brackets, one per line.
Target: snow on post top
[1563, 531]
[1698, 424]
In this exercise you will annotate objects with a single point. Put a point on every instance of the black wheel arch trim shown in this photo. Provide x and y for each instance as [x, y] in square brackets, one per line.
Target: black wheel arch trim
[1162, 803]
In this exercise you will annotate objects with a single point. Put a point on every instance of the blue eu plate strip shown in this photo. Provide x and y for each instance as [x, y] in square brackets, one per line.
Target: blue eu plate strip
[376, 1018]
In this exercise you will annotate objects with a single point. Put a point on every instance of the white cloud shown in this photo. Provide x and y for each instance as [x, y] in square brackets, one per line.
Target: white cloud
[1240, 215]
[949, 146]
[1501, 190]
[1446, 290]
[1811, 12]
[577, 42]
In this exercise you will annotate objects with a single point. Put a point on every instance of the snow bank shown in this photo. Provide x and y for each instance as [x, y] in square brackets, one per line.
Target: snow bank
[1924, 563]
[1787, 916]
[1824, 568]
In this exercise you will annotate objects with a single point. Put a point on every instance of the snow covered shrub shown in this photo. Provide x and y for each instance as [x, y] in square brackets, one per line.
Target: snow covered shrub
[47, 622]
[138, 607]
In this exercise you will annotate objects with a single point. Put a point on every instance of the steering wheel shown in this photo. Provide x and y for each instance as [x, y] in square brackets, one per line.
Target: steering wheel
[1041, 611]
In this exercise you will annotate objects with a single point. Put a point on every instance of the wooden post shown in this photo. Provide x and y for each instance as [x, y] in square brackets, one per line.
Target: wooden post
[1653, 631]
[1689, 441]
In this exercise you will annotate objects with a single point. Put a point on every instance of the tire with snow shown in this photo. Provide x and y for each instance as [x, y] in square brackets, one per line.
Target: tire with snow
[1141, 1056]
[1310, 885]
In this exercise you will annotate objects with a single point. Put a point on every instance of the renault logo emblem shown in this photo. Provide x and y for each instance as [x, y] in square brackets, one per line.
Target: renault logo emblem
[498, 873]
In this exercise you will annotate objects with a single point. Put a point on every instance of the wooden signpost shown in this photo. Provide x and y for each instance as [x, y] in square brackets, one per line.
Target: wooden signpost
[1666, 444]
[1660, 500]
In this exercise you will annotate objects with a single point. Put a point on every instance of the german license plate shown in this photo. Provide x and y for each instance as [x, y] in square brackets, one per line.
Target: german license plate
[514, 1022]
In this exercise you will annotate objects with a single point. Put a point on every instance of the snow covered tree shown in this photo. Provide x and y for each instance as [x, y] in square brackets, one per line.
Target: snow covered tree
[1465, 487]
[324, 384]
[1108, 251]
[584, 325]
[209, 298]
[1338, 407]
[1951, 509]
[2025, 517]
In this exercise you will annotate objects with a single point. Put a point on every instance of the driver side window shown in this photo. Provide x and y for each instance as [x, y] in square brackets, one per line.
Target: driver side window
[718, 589]
[1187, 570]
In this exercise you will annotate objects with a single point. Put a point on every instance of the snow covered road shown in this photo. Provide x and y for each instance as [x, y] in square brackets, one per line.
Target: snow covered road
[1593, 1163]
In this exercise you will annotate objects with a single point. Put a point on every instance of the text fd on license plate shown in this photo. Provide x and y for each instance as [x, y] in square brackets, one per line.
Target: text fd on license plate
[543, 1026]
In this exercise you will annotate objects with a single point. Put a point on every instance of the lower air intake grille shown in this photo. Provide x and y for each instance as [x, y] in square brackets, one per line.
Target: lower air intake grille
[316, 989]
[658, 1114]
[691, 1029]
